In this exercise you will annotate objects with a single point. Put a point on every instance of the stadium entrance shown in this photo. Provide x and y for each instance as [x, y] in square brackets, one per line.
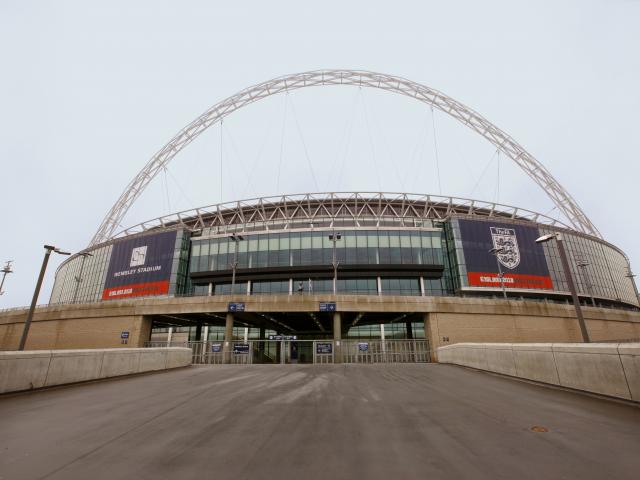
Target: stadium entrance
[295, 338]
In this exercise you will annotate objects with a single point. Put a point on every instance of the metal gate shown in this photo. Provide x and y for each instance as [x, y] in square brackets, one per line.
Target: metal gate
[305, 351]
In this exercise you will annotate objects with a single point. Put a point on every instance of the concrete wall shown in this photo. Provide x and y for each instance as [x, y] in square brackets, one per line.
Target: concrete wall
[28, 370]
[448, 319]
[606, 368]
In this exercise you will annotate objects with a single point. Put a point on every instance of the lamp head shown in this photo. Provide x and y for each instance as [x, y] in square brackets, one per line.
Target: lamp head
[546, 238]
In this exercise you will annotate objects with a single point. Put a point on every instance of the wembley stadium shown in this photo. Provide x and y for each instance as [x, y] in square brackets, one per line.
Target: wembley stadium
[338, 276]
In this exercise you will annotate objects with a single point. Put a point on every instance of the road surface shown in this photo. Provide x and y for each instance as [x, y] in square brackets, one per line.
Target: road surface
[316, 422]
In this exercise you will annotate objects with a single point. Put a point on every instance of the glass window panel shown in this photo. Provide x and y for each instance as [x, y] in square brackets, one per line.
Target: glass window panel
[274, 243]
[394, 239]
[349, 240]
[263, 243]
[295, 240]
[384, 239]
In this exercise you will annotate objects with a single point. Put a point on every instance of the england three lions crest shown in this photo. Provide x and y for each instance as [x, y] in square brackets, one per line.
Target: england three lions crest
[504, 239]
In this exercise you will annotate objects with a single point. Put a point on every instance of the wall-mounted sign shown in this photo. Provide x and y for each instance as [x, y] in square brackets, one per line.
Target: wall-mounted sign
[124, 335]
[323, 348]
[521, 259]
[236, 307]
[327, 306]
[283, 337]
[140, 266]
[216, 347]
[363, 346]
[241, 348]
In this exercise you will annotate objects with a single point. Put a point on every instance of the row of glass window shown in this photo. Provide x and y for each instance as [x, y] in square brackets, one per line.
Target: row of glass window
[352, 286]
[318, 240]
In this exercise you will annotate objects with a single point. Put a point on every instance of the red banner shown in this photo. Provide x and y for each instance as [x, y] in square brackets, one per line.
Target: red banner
[136, 290]
[511, 280]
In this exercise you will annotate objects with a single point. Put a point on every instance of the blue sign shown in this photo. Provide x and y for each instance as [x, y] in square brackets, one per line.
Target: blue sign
[327, 306]
[283, 337]
[363, 346]
[216, 347]
[236, 307]
[124, 335]
[241, 348]
[324, 348]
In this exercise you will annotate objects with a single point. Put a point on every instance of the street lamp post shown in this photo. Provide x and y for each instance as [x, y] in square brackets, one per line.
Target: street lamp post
[334, 237]
[495, 252]
[78, 278]
[34, 300]
[236, 239]
[569, 277]
[5, 270]
[630, 276]
[583, 266]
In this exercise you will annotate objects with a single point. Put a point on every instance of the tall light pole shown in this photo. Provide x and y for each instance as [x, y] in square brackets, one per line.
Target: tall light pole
[34, 300]
[583, 264]
[630, 276]
[5, 270]
[569, 277]
[236, 239]
[495, 252]
[78, 278]
[334, 237]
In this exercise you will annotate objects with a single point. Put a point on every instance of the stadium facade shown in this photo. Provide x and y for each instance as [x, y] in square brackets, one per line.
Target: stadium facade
[322, 267]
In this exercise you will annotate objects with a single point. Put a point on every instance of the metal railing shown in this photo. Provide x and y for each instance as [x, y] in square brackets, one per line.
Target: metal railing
[305, 351]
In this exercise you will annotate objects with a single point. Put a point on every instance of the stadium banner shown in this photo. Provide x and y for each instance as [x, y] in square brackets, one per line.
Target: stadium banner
[522, 260]
[140, 267]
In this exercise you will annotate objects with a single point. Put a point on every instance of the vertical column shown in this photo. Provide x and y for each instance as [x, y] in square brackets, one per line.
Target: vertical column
[248, 287]
[421, 286]
[169, 336]
[228, 338]
[409, 330]
[431, 334]
[379, 282]
[291, 286]
[261, 345]
[337, 338]
[210, 288]
[198, 332]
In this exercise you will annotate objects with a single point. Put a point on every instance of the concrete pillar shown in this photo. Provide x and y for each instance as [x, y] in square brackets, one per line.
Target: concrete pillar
[198, 332]
[228, 338]
[409, 331]
[337, 338]
[169, 336]
[431, 333]
[261, 345]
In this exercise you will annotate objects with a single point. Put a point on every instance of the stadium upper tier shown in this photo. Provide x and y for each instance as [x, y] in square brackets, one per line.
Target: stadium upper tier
[388, 244]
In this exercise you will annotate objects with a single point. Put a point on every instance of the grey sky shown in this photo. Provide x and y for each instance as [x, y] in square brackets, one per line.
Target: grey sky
[90, 90]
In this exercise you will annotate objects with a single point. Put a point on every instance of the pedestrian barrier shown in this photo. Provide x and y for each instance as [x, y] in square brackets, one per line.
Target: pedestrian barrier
[305, 351]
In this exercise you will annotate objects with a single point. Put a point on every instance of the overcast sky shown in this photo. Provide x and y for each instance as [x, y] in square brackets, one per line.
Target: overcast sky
[89, 91]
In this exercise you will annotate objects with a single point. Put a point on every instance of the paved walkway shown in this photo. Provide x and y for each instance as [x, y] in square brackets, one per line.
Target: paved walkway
[316, 422]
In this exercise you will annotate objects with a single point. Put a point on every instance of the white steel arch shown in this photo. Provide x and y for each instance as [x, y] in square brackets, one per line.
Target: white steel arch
[465, 115]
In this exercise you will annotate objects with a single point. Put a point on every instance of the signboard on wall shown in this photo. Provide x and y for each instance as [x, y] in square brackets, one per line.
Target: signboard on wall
[140, 267]
[521, 259]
